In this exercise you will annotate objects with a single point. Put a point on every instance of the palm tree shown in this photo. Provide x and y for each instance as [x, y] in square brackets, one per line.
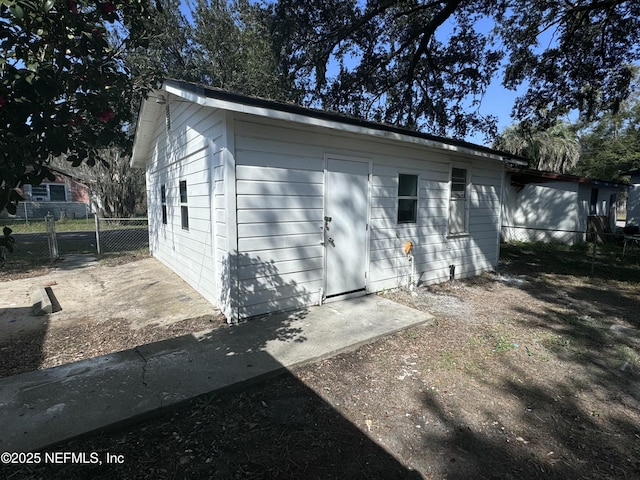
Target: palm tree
[555, 149]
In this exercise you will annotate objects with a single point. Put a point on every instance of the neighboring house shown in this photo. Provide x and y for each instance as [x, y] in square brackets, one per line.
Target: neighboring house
[544, 206]
[633, 198]
[64, 196]
[65, 188]
[264, 206]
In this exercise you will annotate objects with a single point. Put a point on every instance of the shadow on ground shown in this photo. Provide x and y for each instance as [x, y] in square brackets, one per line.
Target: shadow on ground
[291, 433]
[21, 348]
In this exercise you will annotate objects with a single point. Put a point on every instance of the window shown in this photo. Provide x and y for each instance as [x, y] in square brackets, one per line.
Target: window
[163, 201]
[57, 193]
[184, 209]
[48, 192]
[39, 192]
[407, 198]
[458, 201]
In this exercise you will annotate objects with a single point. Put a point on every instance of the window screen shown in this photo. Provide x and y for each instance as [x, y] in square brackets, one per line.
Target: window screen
[458, 201]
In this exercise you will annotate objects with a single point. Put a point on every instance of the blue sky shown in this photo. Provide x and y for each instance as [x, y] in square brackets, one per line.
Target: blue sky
[498, 101]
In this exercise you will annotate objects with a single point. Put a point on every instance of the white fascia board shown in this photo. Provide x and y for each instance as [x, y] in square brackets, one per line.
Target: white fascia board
[145, 129]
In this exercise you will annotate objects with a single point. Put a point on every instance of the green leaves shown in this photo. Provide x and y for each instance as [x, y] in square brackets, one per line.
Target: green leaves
[17, 11]
[554, 149]
[427, 65]
[611, 146]
[63, 88]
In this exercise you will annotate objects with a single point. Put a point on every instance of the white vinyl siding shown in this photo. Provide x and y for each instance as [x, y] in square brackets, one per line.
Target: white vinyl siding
[279, 212]
[434, 250]
[545, 212]
[633, 200]
[281, 152]
[186, 153]
[256, 199]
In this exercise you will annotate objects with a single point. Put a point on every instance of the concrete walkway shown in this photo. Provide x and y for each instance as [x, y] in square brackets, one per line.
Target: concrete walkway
[38, 409]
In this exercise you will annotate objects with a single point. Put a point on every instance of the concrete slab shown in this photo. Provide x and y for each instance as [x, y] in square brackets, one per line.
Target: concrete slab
[76, 261]
[38, 409]
[144, 292]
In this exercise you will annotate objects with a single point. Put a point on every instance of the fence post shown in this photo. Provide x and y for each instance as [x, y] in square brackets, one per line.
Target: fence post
[26, 215]
[593, 256]
[98, 234]
[51, 236]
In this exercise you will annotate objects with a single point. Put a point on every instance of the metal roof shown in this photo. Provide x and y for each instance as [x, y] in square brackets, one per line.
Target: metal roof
[528, 175]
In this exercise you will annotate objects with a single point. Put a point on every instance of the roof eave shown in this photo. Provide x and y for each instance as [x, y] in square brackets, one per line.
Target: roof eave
[536, 175]
[289, 112]
[145, 129]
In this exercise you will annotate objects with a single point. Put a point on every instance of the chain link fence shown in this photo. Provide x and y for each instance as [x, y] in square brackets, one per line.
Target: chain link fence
[594, 252]
[121, 234]
[29, 212]
[542, 235]
[39, 241]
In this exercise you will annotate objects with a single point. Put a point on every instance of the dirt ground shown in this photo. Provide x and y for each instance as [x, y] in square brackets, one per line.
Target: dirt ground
[524, 375]
[104, 307]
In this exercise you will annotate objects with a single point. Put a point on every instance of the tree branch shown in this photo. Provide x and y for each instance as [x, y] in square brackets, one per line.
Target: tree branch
[427, 34]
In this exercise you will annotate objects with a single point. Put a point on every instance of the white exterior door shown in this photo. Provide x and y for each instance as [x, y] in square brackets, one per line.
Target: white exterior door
[345, 225]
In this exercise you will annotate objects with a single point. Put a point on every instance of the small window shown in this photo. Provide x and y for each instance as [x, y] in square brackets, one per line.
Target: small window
[184, 209]
[167, 115]
[39, 192]
[458, 201]
[163, 201]
[407, 198]
[57, 193]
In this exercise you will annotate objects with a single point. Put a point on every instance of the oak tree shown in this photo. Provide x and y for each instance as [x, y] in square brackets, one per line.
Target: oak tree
[426, 64]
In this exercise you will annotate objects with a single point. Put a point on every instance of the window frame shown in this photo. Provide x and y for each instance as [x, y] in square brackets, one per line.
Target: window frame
[464, 201]
[41, 191]
[58, 188]
[184, 205]
[404, 198]
[44, 191]
[163, 203]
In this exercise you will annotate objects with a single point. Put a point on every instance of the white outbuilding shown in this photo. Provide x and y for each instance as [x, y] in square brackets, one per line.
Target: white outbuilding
[264, 206]
[633, 199]
[553, 207]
